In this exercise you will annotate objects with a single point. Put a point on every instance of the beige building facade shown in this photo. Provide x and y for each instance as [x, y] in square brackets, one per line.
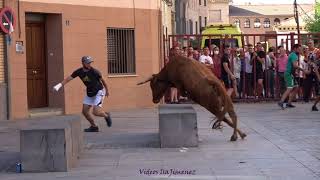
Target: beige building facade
[197, 16]
[219, 12]
[167, 13]
[191, 16]
[264, 19]
[122, 37]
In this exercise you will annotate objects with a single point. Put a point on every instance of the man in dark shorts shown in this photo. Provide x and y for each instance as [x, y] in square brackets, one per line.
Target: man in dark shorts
[97, 89]
[227, 76]
[259, 60]
[317, 72]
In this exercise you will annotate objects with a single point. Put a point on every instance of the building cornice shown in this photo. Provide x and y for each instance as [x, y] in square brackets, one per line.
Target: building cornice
[219, 1]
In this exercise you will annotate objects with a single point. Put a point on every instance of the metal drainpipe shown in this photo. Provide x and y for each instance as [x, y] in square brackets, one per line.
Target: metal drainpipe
[7, 69]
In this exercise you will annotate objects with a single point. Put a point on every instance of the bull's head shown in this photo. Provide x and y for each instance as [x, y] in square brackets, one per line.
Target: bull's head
[158, 87]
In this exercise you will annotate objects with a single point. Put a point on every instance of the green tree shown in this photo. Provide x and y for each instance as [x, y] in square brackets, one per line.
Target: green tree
[313, 24]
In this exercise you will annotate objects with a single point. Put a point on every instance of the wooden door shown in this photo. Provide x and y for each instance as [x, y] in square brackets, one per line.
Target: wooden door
[36, 65]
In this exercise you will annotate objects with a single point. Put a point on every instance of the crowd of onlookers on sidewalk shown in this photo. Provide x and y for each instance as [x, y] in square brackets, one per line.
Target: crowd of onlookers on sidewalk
[257, 73]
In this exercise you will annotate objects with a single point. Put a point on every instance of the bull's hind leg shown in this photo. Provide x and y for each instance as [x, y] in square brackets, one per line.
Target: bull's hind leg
[217, 125]
[234, 119]
[228, 121]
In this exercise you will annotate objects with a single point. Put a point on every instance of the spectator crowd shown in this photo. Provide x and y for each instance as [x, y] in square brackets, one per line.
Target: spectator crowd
[253, 72]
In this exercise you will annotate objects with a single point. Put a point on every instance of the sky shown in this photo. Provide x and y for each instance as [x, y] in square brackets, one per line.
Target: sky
[273, 1]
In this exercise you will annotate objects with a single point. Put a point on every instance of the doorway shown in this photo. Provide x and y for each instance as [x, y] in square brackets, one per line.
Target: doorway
[36, 64]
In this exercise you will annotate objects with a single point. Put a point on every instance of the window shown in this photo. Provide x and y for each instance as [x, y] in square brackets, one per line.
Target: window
[247, 23]
[205, 2]
[266, 23]
[166, 31]
[121, 51]
[205, 21]
[186, 25]
[237, 22]
[215, 15]
[191, 26]
[257, 23]
[183, 27]
[233, 42]
[200, 23]
[200, 2]
[276, 21]
[197, 27]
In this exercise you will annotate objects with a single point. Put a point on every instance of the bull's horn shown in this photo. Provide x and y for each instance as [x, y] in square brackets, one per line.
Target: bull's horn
[145, 81]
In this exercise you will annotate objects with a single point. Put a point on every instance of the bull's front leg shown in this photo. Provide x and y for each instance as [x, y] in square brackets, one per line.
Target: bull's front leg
[182, 90]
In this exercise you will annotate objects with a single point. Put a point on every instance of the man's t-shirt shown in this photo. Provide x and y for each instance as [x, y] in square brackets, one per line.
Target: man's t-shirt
[248, 66]
[292, 58]
[224, 59]
[282, 62]
[90, 78]
[206, 59]
[259, 65]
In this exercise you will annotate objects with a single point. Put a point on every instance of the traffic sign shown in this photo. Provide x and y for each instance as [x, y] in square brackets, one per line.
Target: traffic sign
[7, 19]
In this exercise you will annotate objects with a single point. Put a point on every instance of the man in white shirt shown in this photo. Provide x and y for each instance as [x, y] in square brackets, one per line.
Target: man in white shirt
[248, 71]
[206, 58]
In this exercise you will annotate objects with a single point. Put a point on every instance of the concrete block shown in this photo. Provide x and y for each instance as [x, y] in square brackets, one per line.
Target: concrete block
[77, 134]
[73, 136]
[3, 102]
[46, 150]
[178, 126]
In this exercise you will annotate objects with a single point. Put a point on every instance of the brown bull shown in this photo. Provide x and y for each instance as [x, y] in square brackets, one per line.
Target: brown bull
[201, 86]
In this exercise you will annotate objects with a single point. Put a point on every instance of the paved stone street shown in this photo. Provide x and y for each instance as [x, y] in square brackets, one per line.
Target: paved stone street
[281, 145]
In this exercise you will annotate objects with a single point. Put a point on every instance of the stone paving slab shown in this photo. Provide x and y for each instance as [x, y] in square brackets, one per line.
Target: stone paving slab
[281, 145]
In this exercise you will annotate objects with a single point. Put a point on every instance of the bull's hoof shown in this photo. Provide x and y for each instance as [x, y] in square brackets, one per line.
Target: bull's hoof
[243, 135]
[234, 138]
[217, 125]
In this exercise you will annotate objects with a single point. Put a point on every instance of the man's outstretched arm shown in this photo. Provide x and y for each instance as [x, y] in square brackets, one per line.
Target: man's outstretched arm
[64, 82]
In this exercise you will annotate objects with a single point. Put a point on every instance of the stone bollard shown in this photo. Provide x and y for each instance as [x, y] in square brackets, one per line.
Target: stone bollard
[178, 126]
[51, 145]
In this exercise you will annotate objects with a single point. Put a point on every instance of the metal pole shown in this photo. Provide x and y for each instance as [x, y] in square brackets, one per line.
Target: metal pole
[8, 77]
[296, 15]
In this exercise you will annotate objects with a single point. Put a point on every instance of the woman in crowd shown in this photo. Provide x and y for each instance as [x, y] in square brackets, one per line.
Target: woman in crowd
[216, 62]
[281, 65]
[269, 68]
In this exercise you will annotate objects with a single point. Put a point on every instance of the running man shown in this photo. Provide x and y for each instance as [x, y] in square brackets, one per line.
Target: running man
[97, 89]
[317, 72]
[291, 83]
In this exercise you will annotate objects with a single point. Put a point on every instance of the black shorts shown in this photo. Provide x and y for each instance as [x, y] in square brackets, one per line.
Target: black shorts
[300, 81]
[259, 75]
[227, 82]
[317, 88]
